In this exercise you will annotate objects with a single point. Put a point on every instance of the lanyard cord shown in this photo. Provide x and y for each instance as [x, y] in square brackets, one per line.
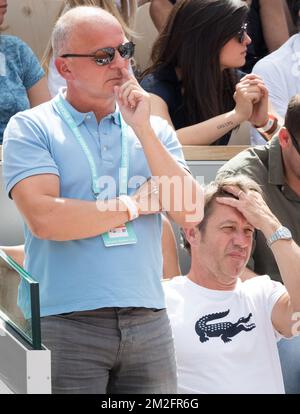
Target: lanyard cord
[123, 172]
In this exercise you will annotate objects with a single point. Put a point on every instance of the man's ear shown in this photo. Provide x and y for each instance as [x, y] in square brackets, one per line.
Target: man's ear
[192, 235]
[284, 137]
[63, 68]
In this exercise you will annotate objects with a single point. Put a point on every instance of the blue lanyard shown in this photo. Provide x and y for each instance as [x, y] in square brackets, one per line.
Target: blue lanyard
[123, 172]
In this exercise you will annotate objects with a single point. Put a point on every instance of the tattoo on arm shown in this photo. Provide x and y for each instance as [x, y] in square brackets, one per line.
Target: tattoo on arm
[225, 125]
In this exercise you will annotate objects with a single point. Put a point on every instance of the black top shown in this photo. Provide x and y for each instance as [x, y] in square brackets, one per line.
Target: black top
[165, 84]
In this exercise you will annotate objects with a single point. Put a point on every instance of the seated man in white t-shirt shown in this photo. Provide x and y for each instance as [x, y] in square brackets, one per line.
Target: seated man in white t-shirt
[225, 331]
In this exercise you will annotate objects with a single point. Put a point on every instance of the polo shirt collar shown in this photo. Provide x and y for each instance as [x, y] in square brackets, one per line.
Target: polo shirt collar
[79, 117]
[276, 171]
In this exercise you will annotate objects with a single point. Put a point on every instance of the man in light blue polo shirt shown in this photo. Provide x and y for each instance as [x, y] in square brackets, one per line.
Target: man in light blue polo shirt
[72, 166]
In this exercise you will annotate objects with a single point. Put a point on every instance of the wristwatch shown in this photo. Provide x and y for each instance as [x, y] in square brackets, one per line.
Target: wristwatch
[283, 233]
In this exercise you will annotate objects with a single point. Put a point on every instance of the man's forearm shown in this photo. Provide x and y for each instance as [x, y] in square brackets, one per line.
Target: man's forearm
[180, 194]
[287, 256]
[63, 219]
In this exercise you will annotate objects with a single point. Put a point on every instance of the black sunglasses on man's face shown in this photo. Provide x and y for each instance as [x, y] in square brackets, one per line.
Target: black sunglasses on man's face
[106, 55]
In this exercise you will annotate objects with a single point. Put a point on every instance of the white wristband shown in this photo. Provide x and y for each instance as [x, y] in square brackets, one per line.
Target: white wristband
[269, 124]
[132, 208]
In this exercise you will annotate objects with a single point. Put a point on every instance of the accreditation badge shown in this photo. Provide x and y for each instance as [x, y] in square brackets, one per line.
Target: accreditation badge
[120, 236]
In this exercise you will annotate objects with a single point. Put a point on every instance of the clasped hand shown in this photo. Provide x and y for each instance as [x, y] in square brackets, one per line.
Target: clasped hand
[251, 97]
[133, 101]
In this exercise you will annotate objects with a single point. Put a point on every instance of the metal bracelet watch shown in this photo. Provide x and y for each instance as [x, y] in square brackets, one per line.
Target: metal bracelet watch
[132, 209]
[282, 233]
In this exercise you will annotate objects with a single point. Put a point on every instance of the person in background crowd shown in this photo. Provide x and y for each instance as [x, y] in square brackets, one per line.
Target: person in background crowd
[289, 12]
[199, 90]
[159, 12]
[281, 69]
[263, 17]
[275, 167]
[225, 331]
[293, 8]
[22, 80]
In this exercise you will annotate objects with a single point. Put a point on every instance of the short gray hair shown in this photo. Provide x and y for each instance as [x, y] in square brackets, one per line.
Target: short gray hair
[67, 23]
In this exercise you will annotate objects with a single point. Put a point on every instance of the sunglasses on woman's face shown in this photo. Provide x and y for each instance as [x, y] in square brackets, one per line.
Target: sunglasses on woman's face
[242, 33]
[106, 55]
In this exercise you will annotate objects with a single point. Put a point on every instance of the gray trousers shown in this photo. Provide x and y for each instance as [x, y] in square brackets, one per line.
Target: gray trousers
[111, 350]
[289, 352]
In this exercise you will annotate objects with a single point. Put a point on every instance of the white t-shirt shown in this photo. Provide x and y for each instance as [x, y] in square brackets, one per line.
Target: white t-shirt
[280, 71]
[224, 340]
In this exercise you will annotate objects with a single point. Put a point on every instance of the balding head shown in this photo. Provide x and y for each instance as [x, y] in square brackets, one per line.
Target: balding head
[79, 18]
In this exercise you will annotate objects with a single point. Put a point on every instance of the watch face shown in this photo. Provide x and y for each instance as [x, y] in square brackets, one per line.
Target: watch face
[283, 232]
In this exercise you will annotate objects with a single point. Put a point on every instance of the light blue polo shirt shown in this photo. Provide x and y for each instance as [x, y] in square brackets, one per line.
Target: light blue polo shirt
[84, 274]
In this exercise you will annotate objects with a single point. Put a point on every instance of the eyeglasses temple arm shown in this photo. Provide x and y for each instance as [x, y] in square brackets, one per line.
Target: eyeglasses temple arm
[75, 55]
